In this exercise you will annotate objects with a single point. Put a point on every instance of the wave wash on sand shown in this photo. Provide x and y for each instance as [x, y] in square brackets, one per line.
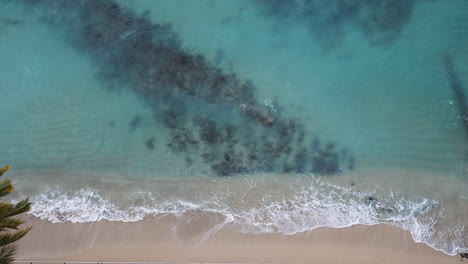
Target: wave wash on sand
[255, 206]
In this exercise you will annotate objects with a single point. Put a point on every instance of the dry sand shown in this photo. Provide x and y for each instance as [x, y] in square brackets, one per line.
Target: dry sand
[155, 239]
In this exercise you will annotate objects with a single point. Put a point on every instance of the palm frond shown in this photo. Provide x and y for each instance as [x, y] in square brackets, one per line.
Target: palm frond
[8, 238]
[14, 209]
[2, 170]
[8, 223]
[11, 223]
[7, 253]
[5, 187]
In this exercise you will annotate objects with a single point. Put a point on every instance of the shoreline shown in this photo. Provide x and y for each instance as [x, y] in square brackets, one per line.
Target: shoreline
[234, 204]
[154, 239]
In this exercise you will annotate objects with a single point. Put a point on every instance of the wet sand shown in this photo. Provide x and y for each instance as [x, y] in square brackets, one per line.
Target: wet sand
[155, 239]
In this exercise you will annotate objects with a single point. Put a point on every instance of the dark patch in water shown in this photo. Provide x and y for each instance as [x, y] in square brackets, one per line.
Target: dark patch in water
[370, 199]
[135, 123]
[11, 22]
[209, 132]
[150, 143]
[457, 90]
[182, 140]
[231, 163]
[325, 162]
[172, 118]
[211, 115]
[381, 21]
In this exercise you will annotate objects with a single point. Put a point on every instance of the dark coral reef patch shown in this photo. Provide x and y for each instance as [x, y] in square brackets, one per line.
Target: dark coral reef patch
[213, 116]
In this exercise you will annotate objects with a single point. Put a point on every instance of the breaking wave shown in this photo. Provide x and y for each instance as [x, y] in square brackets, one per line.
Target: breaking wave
[319, 205]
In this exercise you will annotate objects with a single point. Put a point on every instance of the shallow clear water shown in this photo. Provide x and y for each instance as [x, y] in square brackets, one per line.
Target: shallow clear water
[351, 116]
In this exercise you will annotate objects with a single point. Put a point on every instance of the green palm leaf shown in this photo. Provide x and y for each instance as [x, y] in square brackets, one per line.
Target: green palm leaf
[7, 210]
[8, 223]
[6, 254]
[11, 223]
[2, 170]
[9, 238]
[5, 187]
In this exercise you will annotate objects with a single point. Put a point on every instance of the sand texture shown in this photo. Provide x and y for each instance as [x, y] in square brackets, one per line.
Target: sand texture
[154, 240]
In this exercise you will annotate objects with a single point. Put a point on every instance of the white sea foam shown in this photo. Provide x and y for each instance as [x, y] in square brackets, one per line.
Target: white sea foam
[273, 107]
[319, 205]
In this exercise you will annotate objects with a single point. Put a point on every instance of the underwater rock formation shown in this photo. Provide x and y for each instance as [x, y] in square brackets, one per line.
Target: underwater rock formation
[213, 116]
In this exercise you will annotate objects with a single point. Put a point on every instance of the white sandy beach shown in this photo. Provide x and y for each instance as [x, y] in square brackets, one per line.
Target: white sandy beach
[152, 240]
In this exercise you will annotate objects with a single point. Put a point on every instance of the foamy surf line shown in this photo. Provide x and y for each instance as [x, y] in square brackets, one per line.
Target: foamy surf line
[320, 205]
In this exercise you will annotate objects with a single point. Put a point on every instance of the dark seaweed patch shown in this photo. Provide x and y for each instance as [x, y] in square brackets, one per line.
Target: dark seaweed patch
[211, 115]
[135, 123]
[326, 163]
[172, 118]
[209, 132]
[231, 163]
[150, 143]
[182, 139]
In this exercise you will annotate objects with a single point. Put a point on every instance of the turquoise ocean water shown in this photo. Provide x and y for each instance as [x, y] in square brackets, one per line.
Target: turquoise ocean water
[274, 116]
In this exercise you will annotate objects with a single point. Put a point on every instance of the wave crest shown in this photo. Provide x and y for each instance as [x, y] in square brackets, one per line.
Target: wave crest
[319, 205]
